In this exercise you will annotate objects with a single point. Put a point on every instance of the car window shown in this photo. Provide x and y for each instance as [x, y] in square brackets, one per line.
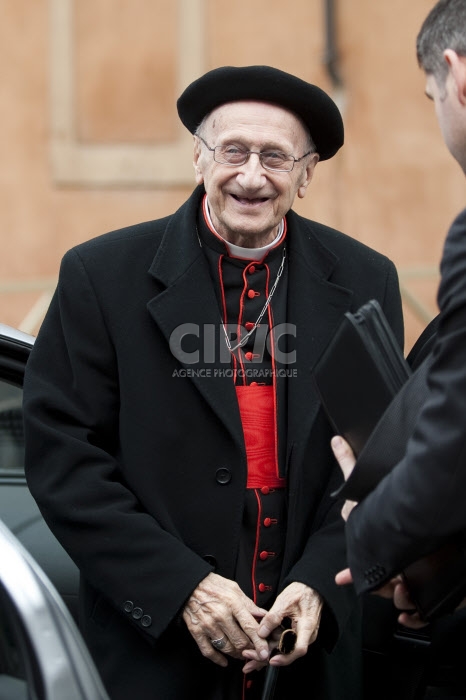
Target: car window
[11, 430]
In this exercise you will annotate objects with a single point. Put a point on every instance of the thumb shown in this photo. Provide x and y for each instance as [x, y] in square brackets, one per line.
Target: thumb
[343, 454]
[343, 578]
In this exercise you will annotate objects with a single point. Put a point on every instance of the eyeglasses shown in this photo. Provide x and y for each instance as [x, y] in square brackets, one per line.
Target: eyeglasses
[270, 160]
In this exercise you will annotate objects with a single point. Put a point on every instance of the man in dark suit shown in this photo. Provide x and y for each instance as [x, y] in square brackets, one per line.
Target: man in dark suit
[174, 441]
[421, 502]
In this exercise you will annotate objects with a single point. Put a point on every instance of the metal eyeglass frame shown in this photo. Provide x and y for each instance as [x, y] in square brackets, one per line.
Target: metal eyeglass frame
[261, 154]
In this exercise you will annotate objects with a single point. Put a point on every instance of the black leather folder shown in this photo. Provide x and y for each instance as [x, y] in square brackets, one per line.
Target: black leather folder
[359, 373]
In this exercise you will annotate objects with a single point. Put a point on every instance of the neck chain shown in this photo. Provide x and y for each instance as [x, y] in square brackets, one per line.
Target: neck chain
[244, 340]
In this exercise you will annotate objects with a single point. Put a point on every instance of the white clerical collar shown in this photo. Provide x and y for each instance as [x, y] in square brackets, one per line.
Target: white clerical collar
[238, 251]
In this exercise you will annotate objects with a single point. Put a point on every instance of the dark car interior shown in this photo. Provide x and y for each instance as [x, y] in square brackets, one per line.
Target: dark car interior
[13, 685]
[11, 429]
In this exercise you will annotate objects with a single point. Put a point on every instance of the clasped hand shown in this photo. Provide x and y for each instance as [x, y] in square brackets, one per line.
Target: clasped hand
[218, 609]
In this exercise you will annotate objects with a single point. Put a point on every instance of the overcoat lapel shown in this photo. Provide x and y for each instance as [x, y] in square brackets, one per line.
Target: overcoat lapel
[315, 307]
[187, 304]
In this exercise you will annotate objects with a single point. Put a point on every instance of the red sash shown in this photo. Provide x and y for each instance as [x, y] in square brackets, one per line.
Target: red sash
[257, 409]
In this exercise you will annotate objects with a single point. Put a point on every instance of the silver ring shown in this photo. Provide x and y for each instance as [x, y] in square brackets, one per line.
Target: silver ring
[219, 644]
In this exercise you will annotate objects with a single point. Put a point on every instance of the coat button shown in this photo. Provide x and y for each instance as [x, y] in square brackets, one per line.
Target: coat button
[128, 606]
[265, 555]
[137, 613]
[223, 475]
[146, 620]
[210, 559]
[270, 521]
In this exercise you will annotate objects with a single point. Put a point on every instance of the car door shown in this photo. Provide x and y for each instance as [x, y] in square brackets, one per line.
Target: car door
[42, 653]
[18, 509]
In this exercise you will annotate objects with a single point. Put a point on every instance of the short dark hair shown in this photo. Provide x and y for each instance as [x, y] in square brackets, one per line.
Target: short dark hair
[444, 28]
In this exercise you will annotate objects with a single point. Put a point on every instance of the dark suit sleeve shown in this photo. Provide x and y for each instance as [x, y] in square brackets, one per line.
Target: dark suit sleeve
[422, 499]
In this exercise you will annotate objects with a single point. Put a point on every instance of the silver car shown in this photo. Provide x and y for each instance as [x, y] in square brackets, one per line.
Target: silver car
[18, 510]
[42, 653]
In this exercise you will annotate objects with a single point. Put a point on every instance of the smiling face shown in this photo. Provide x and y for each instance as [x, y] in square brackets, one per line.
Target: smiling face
[247, 202]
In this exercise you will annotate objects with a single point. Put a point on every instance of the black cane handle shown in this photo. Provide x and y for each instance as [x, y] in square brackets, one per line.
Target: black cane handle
[285, 646]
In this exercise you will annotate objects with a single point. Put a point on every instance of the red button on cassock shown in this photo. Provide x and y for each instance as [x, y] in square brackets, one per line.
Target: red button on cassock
[252, 294]
[265, 490]
[270, 521]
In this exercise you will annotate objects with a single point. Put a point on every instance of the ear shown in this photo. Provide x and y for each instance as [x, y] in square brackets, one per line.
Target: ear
[196, 161]
[457, 67]
[307, 175]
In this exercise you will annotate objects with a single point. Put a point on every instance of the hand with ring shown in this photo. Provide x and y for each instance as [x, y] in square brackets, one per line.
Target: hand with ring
[219, 644]
[224, 621]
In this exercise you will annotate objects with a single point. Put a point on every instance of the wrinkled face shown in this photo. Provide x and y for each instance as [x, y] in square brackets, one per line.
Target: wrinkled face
[247, 202]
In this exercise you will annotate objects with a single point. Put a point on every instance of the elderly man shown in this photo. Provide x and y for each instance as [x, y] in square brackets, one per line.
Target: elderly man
[175, 444]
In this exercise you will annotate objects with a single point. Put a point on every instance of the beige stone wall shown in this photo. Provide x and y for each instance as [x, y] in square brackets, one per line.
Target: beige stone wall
[90, 140]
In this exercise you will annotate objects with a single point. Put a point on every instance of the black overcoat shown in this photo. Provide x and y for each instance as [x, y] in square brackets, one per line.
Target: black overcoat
[138, 462]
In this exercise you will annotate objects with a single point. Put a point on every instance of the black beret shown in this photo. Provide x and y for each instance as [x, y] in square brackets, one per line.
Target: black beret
[264, 83]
